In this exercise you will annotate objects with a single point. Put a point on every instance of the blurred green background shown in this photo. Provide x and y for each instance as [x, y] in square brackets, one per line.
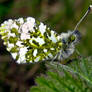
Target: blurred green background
[60, 15]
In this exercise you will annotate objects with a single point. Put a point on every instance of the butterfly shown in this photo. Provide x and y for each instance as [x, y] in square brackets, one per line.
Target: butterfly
[29, 40]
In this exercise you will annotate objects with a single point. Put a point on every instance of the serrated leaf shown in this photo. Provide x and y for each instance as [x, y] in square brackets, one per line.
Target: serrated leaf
[75, 77]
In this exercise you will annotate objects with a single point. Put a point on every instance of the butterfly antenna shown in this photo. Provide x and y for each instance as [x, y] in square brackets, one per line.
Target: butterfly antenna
[87, 12]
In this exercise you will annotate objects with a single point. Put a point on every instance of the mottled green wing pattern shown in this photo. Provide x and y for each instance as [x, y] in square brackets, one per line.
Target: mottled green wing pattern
[29, 40]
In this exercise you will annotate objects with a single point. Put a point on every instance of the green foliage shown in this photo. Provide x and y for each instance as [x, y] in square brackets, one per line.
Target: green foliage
[5, 7]
[76, 77]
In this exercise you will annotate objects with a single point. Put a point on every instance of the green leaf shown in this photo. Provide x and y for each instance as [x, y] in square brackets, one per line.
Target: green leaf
[75, 77]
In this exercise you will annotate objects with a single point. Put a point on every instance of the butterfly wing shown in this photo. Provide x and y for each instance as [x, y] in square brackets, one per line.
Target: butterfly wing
[29, 40]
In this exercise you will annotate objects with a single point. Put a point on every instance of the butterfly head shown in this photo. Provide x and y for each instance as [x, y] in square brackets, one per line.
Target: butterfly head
[74, 37]
[70, 37]
[69, 40]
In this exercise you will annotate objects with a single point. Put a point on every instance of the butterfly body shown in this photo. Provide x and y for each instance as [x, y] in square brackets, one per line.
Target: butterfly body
[29, 40]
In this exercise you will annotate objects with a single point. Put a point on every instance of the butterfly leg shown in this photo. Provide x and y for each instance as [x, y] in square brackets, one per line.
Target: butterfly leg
[54, 58]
